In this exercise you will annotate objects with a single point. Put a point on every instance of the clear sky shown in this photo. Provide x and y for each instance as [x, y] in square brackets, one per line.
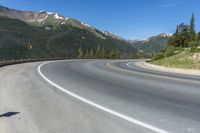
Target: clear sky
[131, 19]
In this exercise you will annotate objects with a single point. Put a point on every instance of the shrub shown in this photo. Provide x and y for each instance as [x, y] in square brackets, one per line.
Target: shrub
[169, 51]
[194, 45]
[158, 56]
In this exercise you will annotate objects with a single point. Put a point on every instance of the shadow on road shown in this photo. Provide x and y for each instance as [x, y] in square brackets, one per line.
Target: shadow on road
[9, 114]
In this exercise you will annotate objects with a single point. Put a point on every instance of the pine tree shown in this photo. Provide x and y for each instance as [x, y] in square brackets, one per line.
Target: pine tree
[198, 36]
[91, 53]
[98, 52]
[192, 28]
[87, 54]
[102, 53]
[80, 52]
[176, 33]
[181, 37]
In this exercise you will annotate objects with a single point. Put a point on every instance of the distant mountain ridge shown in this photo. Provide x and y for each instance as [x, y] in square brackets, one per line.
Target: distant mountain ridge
[152, 44]
[45, 18]
[22, 15]
[53, 35]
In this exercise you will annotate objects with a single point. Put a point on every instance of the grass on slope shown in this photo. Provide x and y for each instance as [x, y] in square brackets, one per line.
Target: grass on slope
[182, 60]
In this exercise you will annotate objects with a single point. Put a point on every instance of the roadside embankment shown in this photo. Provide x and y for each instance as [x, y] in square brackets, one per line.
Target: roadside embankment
[169, 69]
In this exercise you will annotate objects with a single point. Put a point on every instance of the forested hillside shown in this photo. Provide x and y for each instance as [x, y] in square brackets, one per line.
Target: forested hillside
[21, 40]
[152, 44]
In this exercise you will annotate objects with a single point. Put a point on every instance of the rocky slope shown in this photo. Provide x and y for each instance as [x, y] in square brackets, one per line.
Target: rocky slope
[51, 20]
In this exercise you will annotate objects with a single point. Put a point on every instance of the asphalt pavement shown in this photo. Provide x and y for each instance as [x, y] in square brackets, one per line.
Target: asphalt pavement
[100, 96]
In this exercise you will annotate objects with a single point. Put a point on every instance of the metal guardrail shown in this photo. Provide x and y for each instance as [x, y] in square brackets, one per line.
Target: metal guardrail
[12, 62]
[19, 61]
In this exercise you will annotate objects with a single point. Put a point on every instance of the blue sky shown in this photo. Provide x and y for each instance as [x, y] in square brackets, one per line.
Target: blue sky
[131, 19]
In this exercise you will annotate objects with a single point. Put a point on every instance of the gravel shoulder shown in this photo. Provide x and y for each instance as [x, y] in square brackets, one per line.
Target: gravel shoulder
[169, 69]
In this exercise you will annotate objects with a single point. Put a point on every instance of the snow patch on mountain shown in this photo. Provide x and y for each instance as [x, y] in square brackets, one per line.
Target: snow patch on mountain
[113, 35]
[165, 35]
[63, 23]
[87, 25]
[146, 40]
[42, 11]
[50, 13]
[58, 17]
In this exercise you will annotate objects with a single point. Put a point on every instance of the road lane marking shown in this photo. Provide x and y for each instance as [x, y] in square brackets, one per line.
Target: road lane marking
[170, 78]
[152, 75]
[122, 116]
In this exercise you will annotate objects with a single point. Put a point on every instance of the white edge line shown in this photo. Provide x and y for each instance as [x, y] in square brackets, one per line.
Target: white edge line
[124, 117]
[170, 78]
[128, 64]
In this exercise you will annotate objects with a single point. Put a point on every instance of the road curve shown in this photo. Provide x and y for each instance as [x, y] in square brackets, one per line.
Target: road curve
[97, 96]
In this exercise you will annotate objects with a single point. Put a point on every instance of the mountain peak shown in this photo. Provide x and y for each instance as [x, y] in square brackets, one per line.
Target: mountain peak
[152, 44]
[44, 19]
[3, 8]
[113, 35]
[22, 15]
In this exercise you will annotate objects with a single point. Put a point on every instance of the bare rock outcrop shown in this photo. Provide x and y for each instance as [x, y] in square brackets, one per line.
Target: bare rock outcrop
[196, 57]
[22, 15]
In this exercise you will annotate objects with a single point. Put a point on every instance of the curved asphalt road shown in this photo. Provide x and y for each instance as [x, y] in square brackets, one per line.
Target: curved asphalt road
[97, 96]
